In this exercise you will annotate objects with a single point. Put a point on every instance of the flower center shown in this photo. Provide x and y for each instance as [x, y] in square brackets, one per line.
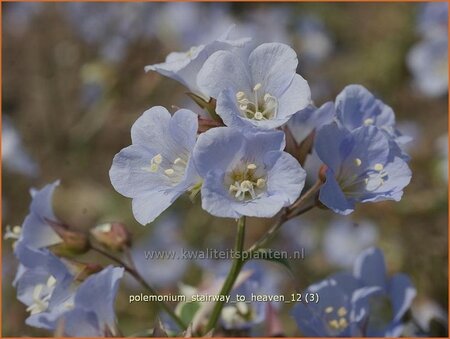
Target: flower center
[371, 179]
[172, 170]
[246, 183]
[336, 320]
[257, 106]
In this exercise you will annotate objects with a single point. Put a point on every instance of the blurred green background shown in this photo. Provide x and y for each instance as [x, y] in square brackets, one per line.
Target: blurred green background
[74, 83]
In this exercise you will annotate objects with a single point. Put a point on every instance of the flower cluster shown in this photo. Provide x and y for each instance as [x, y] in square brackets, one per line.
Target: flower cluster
[61, 295]
[244, 157]
[243, 168]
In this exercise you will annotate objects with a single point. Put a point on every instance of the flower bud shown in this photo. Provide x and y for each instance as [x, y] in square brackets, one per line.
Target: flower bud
[74, 241]
[113, 235]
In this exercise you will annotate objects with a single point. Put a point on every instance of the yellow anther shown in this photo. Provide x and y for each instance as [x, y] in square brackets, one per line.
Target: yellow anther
[333, 324]
[17, 230]
[243, 107]
[358, 162]
[260, 183]
[251, 166]
[154, 167]
[368, 122]
[242, 308]
[343, 323]
[257, 87]
[342, 311]
[378, 167]
[157, 159]
[51, 281]
[169, 172]
[329, 309]
[179, 161]
[246, 185]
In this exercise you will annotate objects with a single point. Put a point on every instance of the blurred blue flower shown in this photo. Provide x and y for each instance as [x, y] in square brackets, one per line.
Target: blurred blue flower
[367, 303]
[316, 44]
[302, 123]
[14, 157]
[262, 91]
[433, 19]
[165, 237]
[428, 62]
[341, 311]
[246, 173]
[362, 166]
[157, 168]
[344, 240]
[112, 27]
[43, 284]
[93, 314]
[397, 294]
[36, 232]
[184, 66]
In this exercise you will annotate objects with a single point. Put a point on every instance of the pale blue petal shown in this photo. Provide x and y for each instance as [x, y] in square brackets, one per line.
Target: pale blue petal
[148, 206]
[216, 149]
[401, 294]
[286, 179]
[371, 269]
[296, 97]
[273, 65]
[183, 128]
[224, 70]
[332, 196]
[151, 129]
[328, 145]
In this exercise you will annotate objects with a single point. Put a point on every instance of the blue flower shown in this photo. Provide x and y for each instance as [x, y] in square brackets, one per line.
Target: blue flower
[260, 91]
[302, 123]
[36, 232]
[93, 314]
[341, 311]
[365, 303]
[396, 291]
[433, 19]
[428, 62]
[184, 66]
[246, 174]
[157, 168]
[355, 107]
[362, 166]
[344, 240]
[43, 284]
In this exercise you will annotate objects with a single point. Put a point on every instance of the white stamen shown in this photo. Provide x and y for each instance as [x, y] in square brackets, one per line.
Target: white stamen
[342, 311]
[260, 183]
[358, 162]
[329, 309]
[169, 172]
[240, 95]
[251, 166]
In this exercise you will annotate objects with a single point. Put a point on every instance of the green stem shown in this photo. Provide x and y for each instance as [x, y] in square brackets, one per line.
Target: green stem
[135, 274]
[236, 267]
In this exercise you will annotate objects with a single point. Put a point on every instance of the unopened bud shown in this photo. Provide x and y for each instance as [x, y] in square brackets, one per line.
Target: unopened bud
[74, 241]
[113, 235]
[323, 173]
